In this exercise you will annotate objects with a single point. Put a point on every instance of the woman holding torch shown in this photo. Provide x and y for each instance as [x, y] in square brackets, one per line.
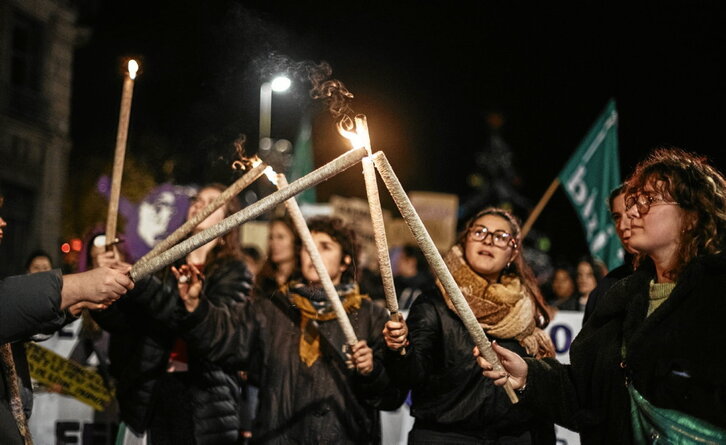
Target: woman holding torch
[166, 392]
[450, 400]
[311, 388]
[647, 366]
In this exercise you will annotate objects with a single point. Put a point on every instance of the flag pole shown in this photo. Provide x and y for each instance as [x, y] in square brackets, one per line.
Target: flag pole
[540, 205]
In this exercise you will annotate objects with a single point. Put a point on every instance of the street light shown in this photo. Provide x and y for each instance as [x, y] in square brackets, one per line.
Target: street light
[279, 84]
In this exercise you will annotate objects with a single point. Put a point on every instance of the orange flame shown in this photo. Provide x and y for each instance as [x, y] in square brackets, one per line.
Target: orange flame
[356, 131]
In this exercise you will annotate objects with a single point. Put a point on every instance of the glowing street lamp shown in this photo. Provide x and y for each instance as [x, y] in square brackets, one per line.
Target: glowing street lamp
[278, 84]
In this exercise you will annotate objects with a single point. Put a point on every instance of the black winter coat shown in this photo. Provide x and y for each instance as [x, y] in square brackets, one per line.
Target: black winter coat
[674, 356]
[144, 326]
[448, 391]
[29, 304]
[322, 404]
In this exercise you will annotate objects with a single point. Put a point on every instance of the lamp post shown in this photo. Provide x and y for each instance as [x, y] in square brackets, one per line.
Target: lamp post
[278, 84]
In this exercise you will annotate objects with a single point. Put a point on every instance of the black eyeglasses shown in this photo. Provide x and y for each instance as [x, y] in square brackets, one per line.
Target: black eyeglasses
[644, 201]
[500, 238]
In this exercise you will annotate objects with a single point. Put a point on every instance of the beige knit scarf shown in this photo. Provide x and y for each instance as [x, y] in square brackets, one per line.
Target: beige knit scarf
[504, 309]
[13, 388]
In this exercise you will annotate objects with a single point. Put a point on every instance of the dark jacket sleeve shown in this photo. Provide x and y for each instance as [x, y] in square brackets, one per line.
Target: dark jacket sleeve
[224, 334]
[412, 369]
[149, 295]
[551, 391]
[30, 304]
[378, 389]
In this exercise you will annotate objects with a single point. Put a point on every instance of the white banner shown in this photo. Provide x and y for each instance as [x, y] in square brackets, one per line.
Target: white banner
[59, 419]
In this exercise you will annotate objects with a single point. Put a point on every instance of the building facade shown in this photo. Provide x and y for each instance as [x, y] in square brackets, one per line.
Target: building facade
[37, 42]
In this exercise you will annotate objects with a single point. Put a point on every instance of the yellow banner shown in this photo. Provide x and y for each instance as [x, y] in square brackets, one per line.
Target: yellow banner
[51, 369]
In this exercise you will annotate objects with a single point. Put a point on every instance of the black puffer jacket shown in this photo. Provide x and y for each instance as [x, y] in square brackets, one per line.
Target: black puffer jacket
[448, 391]
[325, 403]
[144, 327]
[674, 356]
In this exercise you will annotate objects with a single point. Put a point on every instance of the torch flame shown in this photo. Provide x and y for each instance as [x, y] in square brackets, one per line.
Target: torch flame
[271, 175]
[256, 161]
[133, 68]
[355, 131]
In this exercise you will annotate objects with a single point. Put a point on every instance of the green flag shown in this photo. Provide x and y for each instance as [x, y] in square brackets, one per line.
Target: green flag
[589, 176]
[302, 159]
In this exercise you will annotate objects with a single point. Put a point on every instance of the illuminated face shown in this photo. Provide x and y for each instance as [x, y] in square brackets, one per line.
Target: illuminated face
[39, 264]
[622, 222]
[281, 243]
[562, 284]
[586, 281]
[658, 232]
[484, 257]
[331, 252]
[199, 202]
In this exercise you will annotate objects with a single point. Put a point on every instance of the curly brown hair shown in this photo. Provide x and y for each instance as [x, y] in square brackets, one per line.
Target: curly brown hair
[518, 266]
[698, 188]
[344, 235]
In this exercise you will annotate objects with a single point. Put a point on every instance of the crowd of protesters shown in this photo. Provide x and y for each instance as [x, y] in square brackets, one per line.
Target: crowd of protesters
[231, 346]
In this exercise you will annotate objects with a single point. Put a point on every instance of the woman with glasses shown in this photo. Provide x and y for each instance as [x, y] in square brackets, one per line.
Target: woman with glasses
[647, 367]
[451, 402]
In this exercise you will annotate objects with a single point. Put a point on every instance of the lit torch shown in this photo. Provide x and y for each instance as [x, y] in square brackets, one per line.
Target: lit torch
[327, 171]
[307, 240]
[120, 153]
[258, 168]
[413, 220]
[357, 134]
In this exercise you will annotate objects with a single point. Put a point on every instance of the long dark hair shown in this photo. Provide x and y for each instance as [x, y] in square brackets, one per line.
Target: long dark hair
[266, 279]
[698, 188]
[518, 266]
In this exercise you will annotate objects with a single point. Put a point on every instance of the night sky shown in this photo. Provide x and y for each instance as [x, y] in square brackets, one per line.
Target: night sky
[426, 74]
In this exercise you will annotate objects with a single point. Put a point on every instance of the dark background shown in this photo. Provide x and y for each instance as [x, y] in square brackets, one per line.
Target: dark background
[426, 74]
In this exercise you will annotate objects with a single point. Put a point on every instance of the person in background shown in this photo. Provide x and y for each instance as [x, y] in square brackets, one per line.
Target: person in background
[283, 249]
[646, 366]
[451, 402]
[562, 291]
[38, 261]
[621, 221]
[412, 276]
[589, 273]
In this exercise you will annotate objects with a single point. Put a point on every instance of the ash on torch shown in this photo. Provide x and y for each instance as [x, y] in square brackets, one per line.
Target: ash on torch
[361, 137]
[258, 168]
[163, 259]
[120, 154]
[409, 214]
[307, 240]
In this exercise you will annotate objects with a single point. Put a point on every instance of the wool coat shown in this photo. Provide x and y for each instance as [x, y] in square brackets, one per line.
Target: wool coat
[673, 357]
